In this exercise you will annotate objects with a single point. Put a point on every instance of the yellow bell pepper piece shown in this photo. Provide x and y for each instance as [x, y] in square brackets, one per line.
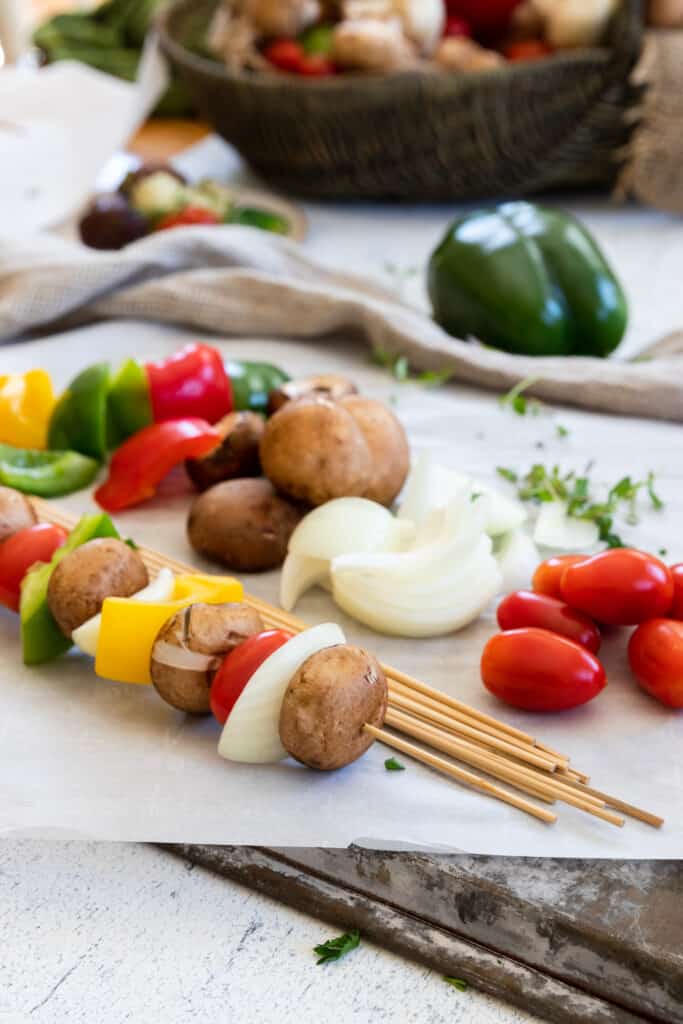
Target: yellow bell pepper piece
[26, 404]
[129, 628]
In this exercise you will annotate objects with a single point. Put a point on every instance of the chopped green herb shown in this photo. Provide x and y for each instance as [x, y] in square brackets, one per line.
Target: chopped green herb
[400, 368]
[518, 402]
[335, 949]
[663, 552]
[475, 496]
[392, 765]
[131, 543]
[456, 983]
[434, 378]
[561, 430]
[542, 484]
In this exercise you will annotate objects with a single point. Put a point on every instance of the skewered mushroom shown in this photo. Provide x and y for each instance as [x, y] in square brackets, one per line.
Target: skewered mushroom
[372, 45]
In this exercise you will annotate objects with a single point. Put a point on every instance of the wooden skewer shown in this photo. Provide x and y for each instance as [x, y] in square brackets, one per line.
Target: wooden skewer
[399, 690]
[522, 753]
[619, 805]
[443, 712]
[461, 774]
[540, 787]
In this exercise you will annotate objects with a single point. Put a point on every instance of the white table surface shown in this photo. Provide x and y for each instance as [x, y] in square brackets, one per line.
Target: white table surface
[119, 933]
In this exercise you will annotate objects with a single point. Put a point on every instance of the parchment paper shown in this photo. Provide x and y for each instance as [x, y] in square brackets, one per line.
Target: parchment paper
[83, 757]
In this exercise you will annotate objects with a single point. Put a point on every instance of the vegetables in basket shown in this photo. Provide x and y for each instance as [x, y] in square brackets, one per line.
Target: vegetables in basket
[529, 280]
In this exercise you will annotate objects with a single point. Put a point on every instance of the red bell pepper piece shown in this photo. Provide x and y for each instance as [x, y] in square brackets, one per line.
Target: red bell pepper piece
[20, 552]
[190, 215]
[142, 461]
[193, 382]
[488, 18]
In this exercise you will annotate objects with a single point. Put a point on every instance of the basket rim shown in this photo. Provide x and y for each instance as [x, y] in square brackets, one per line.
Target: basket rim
[179, 53]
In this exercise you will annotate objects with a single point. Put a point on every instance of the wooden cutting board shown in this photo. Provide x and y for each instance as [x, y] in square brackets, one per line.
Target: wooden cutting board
[596, 942]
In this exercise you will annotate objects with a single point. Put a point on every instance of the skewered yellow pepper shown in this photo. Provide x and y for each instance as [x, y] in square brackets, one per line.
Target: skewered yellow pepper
[129, 628]
[26, 404]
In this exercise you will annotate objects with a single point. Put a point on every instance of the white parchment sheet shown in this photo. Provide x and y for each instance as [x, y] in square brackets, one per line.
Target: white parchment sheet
[83, 757]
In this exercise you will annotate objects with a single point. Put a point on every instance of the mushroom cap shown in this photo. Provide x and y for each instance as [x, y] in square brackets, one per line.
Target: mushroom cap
[16, 512]
[335, 693]
[207, 631]
[86, 576]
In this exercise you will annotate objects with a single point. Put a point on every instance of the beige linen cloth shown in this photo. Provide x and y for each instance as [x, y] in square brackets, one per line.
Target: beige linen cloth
[243, 282]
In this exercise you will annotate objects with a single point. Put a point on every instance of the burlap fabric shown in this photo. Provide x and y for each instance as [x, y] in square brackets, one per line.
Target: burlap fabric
[241, 282]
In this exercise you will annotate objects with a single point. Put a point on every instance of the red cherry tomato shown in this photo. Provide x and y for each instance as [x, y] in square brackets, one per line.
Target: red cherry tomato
[548, 576]
[487, 17]
[677, 573]
[239, 666]
[655, 653]
[527, 49]
[621, 587]
[536, 670]
[190, 215]
[285, 54]
[316, 65]
[525, 608]
[22, 550]
[456, 26]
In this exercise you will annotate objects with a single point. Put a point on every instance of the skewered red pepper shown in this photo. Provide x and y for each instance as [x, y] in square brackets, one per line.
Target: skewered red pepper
[142, 462]
[192, 382]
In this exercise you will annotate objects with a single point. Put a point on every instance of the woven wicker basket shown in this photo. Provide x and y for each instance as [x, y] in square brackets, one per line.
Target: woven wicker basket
[530, 127]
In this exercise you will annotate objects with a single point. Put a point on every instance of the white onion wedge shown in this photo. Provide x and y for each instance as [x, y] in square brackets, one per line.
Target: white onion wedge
[299, 574]
[348, 525]
[518, 558]
[437, 587]
[431, 486]
[251, 734]
[561, 532]
[160, 589]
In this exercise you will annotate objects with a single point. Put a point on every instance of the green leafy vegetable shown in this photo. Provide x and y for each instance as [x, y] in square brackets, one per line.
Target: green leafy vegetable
[458, 983]
[542, 484]
[335, 949]
[392, 765]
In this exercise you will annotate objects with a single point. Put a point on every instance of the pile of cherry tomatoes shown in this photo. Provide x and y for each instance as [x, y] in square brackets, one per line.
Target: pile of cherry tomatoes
[545, 658]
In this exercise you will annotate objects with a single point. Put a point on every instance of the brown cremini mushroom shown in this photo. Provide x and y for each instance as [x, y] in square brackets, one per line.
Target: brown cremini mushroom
[236, 456]
[243, 524]
[16, 512]
[388, 446]
[326, 385]
[89, 574]
[313, 451]
[190, 647]
[333, 695]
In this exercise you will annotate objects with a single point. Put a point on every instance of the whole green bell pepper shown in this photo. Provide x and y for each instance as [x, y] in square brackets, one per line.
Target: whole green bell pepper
[252, 383]
[47, 474]
[529, 280]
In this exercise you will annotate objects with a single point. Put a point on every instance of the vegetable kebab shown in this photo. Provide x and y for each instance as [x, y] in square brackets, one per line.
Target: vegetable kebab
[193, 637]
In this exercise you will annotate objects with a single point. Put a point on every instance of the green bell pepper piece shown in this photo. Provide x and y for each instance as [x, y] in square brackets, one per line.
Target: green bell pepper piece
[529, 280]
[129, 407]
[252, 384]
[48, 474]
[41, 638]
[79, 421]
[318, 40]
[255, 218]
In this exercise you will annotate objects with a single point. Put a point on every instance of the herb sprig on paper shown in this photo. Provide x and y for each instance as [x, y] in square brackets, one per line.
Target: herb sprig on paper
[335, 949]
[392, 765]
[400, 369]
[542, 484]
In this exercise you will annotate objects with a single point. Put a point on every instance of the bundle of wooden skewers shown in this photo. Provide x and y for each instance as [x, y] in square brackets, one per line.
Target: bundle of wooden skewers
[443, 725]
